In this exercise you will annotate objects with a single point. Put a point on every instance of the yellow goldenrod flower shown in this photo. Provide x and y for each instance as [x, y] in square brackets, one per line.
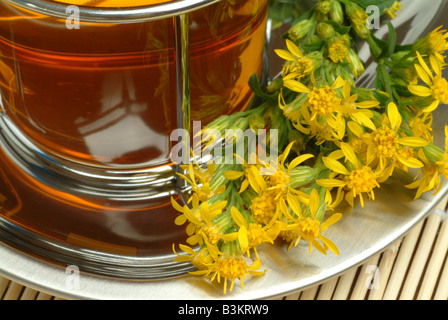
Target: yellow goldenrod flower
[230, 269]
[392, 10]
[433, 45]
[199, 259]
[357, 111]
[309, 228]
[385, 142]
[263, 207]
[421, 125]
[338, 51]
[270, 204]
[251, 234]
[322, 104]
[251, 174]
[281, 180]
[435, 170]
[199, 219]
[297, 65]
[358, 178]
[436, 86]
[430, 178]
[323, 101]
[228, 265]
[199, 179]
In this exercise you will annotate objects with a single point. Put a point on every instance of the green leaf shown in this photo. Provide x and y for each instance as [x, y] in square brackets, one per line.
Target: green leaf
[338, 27]
[313, 46]
[402, 90]
[382, 98]
[392, 40]
[381, 4]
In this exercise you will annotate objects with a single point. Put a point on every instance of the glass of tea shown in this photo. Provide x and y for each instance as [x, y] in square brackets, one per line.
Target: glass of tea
[90, 91]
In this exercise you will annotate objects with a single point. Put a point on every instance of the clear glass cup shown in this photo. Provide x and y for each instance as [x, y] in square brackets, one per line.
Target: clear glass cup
[90, 93]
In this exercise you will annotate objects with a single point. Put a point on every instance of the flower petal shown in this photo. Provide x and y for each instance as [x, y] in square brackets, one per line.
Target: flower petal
[285, 55]
[367, 104]
[413, 142]
[176, 206]
[433, 106]
[410, 162]
[294, 163]
[355, 128]
[423, 64]
[330, 244]
[296, 86]
[338, 83]
[242, 238]
[294, 204]
[349, 153]
[294, 49]
[420, 91]
[422, 74]
[233, 175]
[237, 217]
[314, 202]
[394, 116]
[335, 166]
[331, 183]
[180, 220]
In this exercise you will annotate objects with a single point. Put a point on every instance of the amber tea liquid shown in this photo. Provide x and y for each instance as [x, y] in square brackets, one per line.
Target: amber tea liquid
[105, 95]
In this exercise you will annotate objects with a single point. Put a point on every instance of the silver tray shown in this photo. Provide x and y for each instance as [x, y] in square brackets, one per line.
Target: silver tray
[360, 234]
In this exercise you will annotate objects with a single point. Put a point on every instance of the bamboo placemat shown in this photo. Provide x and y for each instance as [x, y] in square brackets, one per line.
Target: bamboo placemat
[413, 268]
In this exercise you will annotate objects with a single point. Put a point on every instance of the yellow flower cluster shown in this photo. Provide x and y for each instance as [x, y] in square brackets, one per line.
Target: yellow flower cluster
[337, 142]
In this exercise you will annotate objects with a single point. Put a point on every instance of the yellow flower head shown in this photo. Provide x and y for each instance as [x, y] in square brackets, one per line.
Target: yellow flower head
[264, 206]
[252, 175]
[199, 179]
[251, 234]
[433, 45]
[421, 125]
[199, 259]
[338, 51]
[200, 220]
[321, 111]
[435, 86]
[309, 228]
[227, 265]
[356, 177]
[385, 142]
[430, 178]
[297, 65]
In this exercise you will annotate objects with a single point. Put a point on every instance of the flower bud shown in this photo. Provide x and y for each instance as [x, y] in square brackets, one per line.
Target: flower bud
[355, 66]
[359, 19]
[256, 122]
[325, 30]
[433, 153]
[302, 175]
[324, 7]
[336, 12]
[300, 29]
